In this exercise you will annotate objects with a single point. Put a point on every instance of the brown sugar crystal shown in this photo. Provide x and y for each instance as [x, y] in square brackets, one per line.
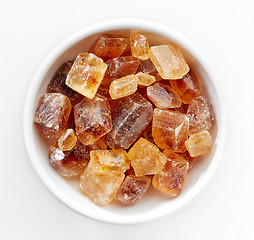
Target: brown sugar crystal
[109, 46]
[139, 46]
[92, 119]
[171, 178]
[145, 79]
[132, 189]
[51, 115]
[68, 140]
[148, 68]
[170, 129]
[86, 74]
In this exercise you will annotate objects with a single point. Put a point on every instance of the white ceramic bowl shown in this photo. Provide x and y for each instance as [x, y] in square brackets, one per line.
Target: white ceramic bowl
[154, 204]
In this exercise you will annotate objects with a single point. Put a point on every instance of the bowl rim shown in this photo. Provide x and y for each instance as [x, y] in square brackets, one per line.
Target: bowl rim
[146, 25]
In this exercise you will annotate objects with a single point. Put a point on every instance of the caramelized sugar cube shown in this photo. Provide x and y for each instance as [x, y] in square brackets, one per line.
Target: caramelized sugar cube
[108, 161]
[120, 67]
[130, 116]
[123, 87]
[132, 189]
[101, 188]
[189, 159]
[170, 129]
[57, 84]
[171, 178]
[92, 119]
[145, 79]
[109, 46]
[146, 158]
[199, 144]
[201, 115]
[139, 46]
[168, 61]
[86, 74]
[68, 140]
[163, 97]
[69, 163]
[51, 115]
[187, 87]
[148, 68]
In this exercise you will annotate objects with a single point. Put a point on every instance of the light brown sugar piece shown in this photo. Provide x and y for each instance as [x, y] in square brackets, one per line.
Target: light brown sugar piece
[146, 158]
[108, 161]
[199, 144]
[68, 140]
[101, 188]
[139, 46]
[123, 87]
[163, 97]
[145, 79]
[109, 46]
[169, 61]
[92, 119]
[170, 179]
[130, 116]
[86, 74]
[187, 87]
[132, 189]
[51, 115]
[170, 129]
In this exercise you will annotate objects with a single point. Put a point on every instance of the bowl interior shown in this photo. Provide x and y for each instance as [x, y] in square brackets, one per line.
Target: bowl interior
[154, 204]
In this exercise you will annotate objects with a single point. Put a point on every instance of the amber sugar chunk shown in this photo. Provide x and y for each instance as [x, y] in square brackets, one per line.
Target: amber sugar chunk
[109, 46]
[139, 46]
[146, 158]
[199, 144]
[171, 178]
[169, 61]
[86, 74]
[170, 129]
[201, 115]
[145, 79]
[92, 119]
[189, 159]
[107, 161]
[132, 189]
[57, 84]
[123, 87]
[69, 163]
[148, 68]
[98, 145]
[51, 115]
[120, 67]
[101, 188]
[163, 97]
[68, 140]
[187, 87]
[130, 116]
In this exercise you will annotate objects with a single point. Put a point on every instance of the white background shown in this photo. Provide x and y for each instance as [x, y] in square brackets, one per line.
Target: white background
[223, 29]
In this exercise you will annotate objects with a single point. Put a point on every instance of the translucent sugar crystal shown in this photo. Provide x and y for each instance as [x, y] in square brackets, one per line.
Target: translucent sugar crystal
[187, 87]
[199, 143]
[101, 188]
[86, 74]
[98, 145]
[68, 140]
[171, 178]
[148, 68]
[189, 159]
[163, 97]
[201, 115]
[92, 119]
[107, 161]
[123, 87]
[132, 189]
[130, 116]
[169, 61]
[145, 79]
[57, 84]
[69, 163]
[120, 67]
[109, 46]
[139, 46]
[170, 129]
[51, 115]
[146, 158]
